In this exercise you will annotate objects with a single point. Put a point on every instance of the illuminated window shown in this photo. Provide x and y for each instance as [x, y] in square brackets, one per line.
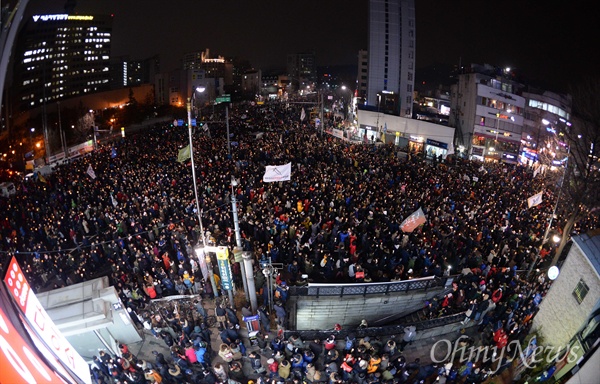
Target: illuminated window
[580, 291]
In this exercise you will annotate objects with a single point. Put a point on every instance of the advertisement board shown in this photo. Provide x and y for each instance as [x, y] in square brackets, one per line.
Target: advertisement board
[224, 268]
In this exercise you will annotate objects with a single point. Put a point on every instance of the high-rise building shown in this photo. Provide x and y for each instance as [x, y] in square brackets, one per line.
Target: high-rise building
[391, 52]
[126, 72]
[61, 56]
[363, 70]
[302, 68]
[214, 67]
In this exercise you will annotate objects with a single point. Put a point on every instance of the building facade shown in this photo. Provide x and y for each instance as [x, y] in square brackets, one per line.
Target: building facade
[251, 82]
[392, 47]
[126, 72]
[487, 111]
[61, 56]
[569, 315]
[302, 69]
[214, 67]
[363, 70]
[546, 115]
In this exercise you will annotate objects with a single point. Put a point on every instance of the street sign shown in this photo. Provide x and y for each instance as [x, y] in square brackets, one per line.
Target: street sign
[193, 122]
[223, 99]
[180, 122]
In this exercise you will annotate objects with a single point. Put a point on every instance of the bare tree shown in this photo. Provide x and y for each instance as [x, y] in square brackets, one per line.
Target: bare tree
[579, 191]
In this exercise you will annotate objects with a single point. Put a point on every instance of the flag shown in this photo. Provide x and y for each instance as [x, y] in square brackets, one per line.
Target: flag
[537, 170]
[184, 154]
[113, 200]
[482, 169]
[277, 173]
[280, 139]
[41, 178]
[535, 199]
[302, 115]
[413, 221]
[113, 153]
[90, 171]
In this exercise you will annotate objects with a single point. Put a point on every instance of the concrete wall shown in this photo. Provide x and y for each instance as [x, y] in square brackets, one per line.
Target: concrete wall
[560, 316]
[324, 312]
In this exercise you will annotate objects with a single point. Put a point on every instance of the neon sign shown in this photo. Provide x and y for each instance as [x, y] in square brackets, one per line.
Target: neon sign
[61, 16]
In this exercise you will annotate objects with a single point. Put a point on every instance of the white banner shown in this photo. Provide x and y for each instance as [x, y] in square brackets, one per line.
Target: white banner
[535, 199]
[337, 133]
[278, 173]
[90, 171]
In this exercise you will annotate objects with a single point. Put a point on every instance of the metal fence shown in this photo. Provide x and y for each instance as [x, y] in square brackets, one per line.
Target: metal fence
[388, 330]
[370, 288]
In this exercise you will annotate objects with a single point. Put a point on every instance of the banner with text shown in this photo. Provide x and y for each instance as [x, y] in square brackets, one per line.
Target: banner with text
[413, 221]
[275, 173]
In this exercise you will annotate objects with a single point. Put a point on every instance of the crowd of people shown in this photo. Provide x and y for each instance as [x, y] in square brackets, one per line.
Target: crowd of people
[337, 220]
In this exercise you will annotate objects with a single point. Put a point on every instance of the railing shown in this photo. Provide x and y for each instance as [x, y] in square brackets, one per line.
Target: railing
[371, 288]
[377, 331]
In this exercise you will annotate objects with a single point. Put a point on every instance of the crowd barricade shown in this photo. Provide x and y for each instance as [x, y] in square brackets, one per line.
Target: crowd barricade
[351, 289]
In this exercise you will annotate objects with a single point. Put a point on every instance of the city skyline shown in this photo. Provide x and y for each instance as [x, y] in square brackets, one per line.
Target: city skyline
[544, 44]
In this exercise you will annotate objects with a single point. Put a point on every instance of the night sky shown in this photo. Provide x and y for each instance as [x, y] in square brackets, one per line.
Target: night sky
[552, 43]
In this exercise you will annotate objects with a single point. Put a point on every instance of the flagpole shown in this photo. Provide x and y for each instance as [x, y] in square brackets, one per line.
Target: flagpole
[198, 211]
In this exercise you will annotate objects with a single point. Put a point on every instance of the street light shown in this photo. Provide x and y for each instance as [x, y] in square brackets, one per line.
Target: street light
[31, 131]
[199, 89]
[198, 211]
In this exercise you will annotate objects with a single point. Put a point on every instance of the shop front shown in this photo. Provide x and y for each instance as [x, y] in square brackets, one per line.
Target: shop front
[367, 133]
[415, 144]
[528, 156]
[509, 158]
[477, 153]
[434, 148]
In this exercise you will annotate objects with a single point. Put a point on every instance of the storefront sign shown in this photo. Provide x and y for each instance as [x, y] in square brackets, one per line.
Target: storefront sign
[436, 143]
[477, 151]
[42, 325]
[509, 157]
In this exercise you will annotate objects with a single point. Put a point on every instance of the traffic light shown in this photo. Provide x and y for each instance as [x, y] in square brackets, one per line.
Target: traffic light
[202, 123]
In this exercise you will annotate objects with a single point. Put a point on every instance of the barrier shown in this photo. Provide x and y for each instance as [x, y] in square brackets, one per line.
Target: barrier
[370, 288]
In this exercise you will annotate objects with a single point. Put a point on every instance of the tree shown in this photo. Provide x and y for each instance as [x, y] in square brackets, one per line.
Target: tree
[580, 190]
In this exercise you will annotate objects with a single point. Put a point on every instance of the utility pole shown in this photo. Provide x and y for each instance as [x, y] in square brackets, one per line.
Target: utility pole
[198, 210]
[249, 272]
[322, 120]
[238, 236]
[60, 131]
[227, 124]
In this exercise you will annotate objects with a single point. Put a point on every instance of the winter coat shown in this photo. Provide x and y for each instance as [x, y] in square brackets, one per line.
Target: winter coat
[284, 369]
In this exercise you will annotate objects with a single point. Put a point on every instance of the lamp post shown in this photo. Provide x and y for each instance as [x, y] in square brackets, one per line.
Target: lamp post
[196, 109]
[198, 210]
[547, 233]
[236, 226]
[31, 138]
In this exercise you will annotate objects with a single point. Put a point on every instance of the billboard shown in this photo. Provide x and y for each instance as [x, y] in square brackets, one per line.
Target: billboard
[49, 345]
